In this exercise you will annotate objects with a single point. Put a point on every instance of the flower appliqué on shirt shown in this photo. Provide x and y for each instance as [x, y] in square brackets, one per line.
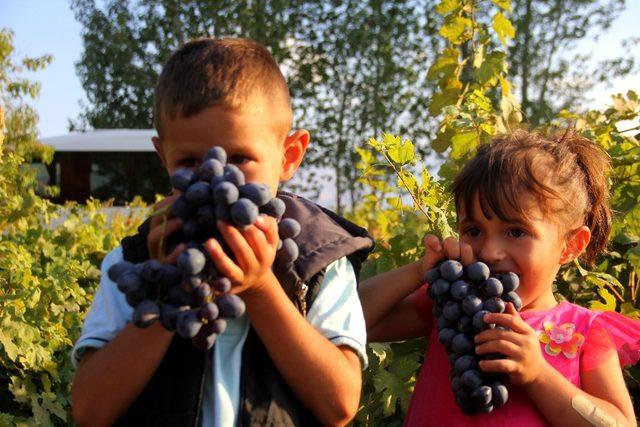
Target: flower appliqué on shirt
[561, 339]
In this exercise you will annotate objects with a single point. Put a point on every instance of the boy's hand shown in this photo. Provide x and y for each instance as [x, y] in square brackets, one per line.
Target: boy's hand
[160, 231]
[254, 249]
[450, 248]
[524, 361]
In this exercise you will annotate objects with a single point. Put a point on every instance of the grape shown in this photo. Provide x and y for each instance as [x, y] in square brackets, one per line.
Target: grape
[432, 275]
[499, 394]
[182, 209]
[191, 261]
[188, 324]
[209, 311]
[217, 326]
[444, 323]
[492, 287]
[225, 193]
[481, 396]
[471, 379]
[461, 344]
[452, 311]
[117, 269]
[189, 283]
[465, 325]
[440, 287]
[464, 363]
[456, 383]
[152, 270]
[471, 304]
[129, 281]
[288, 228]
[210, 168]
[206, 216]
[513, 298]
[191, 229]
[451, 270]
[244, 212]
[203, 341]
[459, 289]
[223, 213]
[217, 153]
[259, 194]
[289, 251]
[182, 178]
[201, 292]
[198, 194]
[478, 320]
[274, 207]
[510, 281]
[230, 305]
[221, 284]
[445, 336]
[462, 297]
[234, 175]
[494, 305]
[169, 275]
[145, 314]
[478, 271]
[169, 316]
[177, 296]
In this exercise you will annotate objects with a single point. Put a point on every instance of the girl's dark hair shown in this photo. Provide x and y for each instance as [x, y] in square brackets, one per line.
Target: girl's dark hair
[567, 174]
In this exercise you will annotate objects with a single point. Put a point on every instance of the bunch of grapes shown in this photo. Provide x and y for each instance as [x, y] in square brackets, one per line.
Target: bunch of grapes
[192, 297]
[462, 297]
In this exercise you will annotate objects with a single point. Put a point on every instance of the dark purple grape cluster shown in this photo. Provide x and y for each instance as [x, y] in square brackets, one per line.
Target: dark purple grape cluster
[192, 297]
[462, 296]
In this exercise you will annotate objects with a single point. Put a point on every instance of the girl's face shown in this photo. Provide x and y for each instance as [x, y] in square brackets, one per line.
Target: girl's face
[533, 248]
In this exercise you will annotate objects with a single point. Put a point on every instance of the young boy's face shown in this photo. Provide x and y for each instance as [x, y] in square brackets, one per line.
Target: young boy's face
[253, 140]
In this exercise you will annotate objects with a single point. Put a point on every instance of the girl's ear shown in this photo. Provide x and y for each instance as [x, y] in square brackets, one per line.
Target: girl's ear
[295, 145]
[576, 244]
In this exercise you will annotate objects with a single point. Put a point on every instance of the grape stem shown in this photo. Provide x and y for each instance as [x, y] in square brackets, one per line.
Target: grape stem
[406, 186]
[164, 212]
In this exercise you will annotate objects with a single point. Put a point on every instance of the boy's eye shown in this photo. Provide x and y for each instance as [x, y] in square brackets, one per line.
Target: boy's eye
[237, 159]
[517, 232]
[189, 162]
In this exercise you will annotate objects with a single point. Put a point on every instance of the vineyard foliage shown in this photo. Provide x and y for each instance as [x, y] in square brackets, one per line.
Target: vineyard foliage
[50, 254]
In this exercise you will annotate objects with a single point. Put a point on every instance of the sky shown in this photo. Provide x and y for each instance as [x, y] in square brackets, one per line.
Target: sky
[49, 27]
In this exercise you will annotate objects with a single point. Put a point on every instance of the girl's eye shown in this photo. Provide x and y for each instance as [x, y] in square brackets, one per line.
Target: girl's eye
[238, 159]
[517, 232]
[472, 232]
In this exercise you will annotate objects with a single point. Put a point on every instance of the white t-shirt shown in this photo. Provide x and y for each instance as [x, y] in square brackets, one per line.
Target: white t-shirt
[336, 313]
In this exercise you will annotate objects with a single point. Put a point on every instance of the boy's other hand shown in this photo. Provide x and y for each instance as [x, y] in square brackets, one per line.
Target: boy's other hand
[159, 232]
[450, 248]
[254, 249]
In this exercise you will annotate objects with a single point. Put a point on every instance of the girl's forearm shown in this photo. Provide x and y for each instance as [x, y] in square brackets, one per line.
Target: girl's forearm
[381, 293]
[554, 396]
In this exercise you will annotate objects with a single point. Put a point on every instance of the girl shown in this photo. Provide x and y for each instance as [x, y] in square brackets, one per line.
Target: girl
[525, 205]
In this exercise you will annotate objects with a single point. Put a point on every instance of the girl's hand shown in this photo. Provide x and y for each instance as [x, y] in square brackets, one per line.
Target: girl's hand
[450, 248]
[524, 361]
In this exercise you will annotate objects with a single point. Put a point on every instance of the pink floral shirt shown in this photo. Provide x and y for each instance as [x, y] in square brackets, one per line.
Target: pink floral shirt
[573, 339]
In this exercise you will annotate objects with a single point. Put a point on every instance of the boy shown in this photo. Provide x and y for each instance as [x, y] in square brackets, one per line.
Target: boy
[295, 357]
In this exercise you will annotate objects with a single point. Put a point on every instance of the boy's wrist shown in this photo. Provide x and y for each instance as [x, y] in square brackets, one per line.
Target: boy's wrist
[258, 291]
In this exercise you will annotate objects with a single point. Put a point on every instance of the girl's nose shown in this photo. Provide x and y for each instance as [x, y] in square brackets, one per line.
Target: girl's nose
[491, 252]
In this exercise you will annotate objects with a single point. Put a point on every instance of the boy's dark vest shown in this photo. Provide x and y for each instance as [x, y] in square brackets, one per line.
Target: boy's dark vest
[173, 396]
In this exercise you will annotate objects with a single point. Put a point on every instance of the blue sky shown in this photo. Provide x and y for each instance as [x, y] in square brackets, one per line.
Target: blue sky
[48, 26]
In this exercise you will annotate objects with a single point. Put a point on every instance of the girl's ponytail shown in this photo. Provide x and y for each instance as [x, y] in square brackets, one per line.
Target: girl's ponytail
[594, 164]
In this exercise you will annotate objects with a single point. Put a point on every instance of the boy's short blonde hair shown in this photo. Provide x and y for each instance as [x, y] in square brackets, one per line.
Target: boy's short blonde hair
[237, 73]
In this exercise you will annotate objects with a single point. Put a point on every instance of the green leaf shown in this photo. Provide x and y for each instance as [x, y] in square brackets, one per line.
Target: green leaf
[503, 4]
[609, 301]
[457, 29]
[503, 28]
[403, 153]
[445, 7]
[493, 65]
[463, 143]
